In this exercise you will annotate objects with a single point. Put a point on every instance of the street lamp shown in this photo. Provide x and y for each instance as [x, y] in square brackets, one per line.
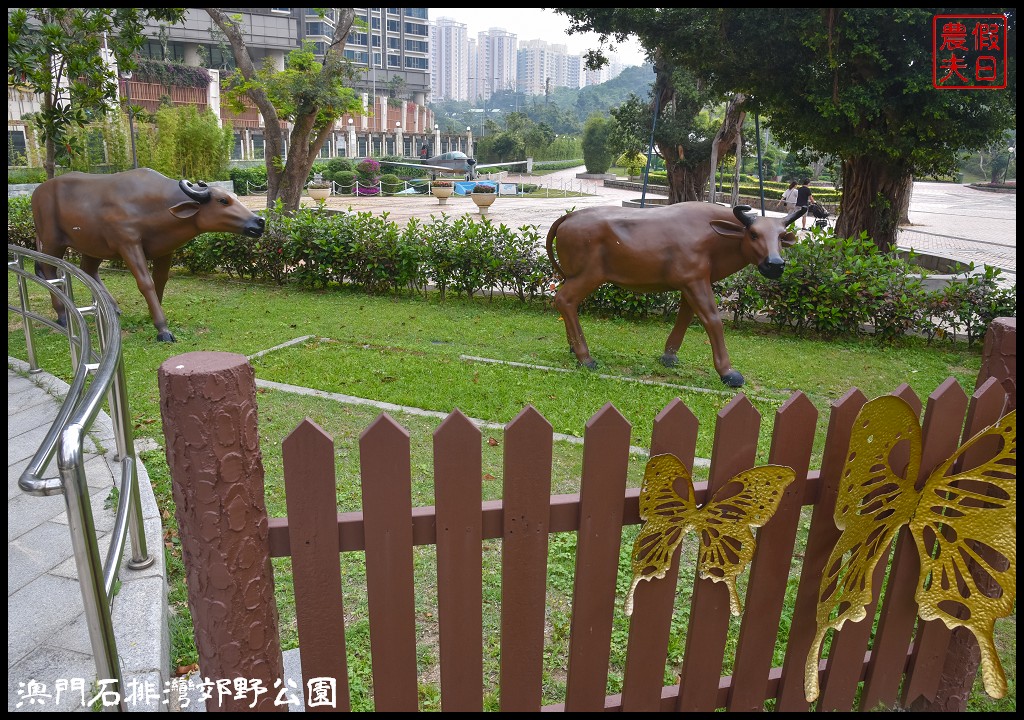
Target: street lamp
[1009, 158]
[126, 76]
[437, 139]
[469, 141]
[399, 150]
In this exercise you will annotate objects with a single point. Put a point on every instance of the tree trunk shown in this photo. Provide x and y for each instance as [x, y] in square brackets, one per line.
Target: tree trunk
[728, 137]
[286, 180]
[874, 192]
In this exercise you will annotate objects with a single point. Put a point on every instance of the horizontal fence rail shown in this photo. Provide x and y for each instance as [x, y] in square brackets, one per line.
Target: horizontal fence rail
[900, 665]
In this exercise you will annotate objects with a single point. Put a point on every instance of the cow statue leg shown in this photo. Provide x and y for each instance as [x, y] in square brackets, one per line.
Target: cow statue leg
[91, 267]
[702, 300]
[567, 301]
[48, 273]
[135, 259]
[675, 338]
[161, 269]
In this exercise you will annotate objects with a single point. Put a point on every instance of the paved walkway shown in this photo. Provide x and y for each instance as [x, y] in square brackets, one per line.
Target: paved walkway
[47, 638]
[48, 642]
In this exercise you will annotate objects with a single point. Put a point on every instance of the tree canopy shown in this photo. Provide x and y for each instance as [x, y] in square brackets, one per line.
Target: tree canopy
[851, 82]
[309, 94]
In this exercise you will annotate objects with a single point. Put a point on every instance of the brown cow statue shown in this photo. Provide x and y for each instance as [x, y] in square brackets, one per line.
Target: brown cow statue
[140, 216]
[685, 246]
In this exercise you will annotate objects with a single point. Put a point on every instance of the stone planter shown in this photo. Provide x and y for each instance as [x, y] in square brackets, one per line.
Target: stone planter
[319, 194]
[442, 194]
[484, 200]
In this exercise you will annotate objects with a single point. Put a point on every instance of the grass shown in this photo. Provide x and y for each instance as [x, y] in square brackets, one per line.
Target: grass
[411, 351]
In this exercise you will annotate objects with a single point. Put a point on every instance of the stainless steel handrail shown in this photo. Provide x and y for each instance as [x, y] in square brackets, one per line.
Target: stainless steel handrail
[103, 361]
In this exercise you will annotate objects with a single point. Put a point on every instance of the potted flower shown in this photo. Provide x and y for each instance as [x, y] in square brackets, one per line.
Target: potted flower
[318, 188]
[442, 190]
[484, 196]
[368, 177]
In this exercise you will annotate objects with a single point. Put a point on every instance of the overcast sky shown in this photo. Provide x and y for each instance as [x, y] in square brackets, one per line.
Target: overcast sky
[533, 24]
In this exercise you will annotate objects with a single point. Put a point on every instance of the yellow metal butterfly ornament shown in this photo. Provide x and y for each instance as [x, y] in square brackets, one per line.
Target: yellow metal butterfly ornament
[956, 514]
[724, 523]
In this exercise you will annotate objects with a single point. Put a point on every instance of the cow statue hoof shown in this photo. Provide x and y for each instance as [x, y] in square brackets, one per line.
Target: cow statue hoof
[589, 364]
[165, 336]
[669, 360]
[733, 379]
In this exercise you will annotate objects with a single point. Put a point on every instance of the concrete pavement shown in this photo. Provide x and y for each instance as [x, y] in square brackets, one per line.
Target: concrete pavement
[47, 639]
[50, 665]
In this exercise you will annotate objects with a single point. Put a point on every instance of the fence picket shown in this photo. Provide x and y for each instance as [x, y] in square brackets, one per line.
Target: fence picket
[458, 468]
[650, 625]
[821, 538]
[950, 688]
[734, 450]
[932, 638]
[792, 442]
[602, 491]
[386, 475]
[526, 490]
[898, 616]
[308, 457]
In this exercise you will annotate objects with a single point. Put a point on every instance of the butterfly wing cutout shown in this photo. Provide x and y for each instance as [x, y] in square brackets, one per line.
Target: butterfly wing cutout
[971, 516]
[666, 515]
[727, 544]
[874, 500]
[955, 519]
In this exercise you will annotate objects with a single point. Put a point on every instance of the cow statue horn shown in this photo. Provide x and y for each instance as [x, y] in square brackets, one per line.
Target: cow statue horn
[202, 195]
[740, 211]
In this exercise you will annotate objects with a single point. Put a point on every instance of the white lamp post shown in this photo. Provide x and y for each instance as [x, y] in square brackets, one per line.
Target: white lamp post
[437, 139]
[469, 140]
[399, 150]
[352, 147]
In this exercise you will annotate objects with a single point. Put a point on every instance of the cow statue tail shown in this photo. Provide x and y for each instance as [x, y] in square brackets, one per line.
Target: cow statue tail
[551, 245]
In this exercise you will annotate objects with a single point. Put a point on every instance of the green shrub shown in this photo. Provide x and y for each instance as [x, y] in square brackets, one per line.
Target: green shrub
[25, 176]
[391, 184]
[249, 180]
[21, 228]
[345, 181]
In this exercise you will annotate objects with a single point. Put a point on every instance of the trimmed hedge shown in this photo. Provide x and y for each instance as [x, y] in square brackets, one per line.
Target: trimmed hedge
[831, 287]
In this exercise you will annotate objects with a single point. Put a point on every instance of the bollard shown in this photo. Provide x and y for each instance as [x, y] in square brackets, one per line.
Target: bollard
[208, 406]
[999, 357]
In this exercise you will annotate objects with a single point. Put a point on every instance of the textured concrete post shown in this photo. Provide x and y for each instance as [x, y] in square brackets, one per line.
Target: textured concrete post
[208, 406]
[999, 357]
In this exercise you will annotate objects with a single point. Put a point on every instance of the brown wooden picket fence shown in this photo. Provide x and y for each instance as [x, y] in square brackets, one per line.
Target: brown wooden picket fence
[901, 664]
[208, 404]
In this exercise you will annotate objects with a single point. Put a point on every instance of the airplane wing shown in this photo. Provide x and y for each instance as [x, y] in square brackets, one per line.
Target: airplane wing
[421, 166]
[528, 162]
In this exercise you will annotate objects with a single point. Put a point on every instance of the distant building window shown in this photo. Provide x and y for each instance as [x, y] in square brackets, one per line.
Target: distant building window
[412, 63]
[416, 13]
[258, 147]
[356, 38]
[394, 11]
[236, 146]
[17, 152]
[282, 11]
[417, 46]
[375, 23]
[360, 58]
[319, 28]
[394, 26]
[416, 29]
[153, 50]
[394, 61]
[394, 44]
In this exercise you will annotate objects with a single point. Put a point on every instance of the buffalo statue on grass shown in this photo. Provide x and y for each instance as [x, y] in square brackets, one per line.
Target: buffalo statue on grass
[139, 216]
[685, 246]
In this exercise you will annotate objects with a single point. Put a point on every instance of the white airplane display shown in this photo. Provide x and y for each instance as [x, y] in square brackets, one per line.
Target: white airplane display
[456, 162]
